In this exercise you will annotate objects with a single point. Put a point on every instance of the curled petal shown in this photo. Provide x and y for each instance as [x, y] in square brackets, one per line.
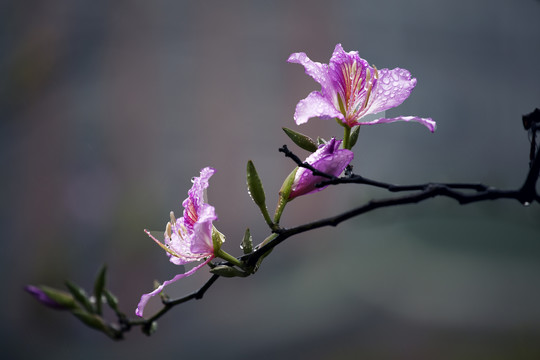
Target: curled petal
[427, 122]
[146, 297]
[315, 105]
[318, 71]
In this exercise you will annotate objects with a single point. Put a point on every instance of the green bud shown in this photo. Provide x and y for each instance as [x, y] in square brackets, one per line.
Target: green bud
[99, 286]
[92, 320]
[354, 135]
[228, 271]
[304, 141]
[62, 298]
[80, 295]
[255, 187]
[247, 243]
[256, 191]
[112, 300]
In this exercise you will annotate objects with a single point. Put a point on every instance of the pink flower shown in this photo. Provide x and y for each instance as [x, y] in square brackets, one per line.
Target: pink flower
[351, 89]
[328, 158]
[188, 238]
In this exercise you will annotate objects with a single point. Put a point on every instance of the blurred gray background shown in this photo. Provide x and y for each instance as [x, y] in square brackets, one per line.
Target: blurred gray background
[108, 108]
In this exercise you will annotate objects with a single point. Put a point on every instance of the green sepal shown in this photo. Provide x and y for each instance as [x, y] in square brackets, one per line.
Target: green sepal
[320, 141]
[80, 295]
[63, 298]
[284, 194]
[217, 239]
[354, 135]
[247, 243]
[303, 141]
[99, 286]
[228, 271]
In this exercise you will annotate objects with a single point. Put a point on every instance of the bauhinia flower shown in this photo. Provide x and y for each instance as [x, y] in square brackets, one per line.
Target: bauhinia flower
[352, 89]
[329, 159]
[191, 237]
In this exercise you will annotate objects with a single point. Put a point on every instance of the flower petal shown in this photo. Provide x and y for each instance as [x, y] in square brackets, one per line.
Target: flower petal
[427, 122]
[315, 105]
[318, 71]
[201, 242]
[146, 297]
[390, 90]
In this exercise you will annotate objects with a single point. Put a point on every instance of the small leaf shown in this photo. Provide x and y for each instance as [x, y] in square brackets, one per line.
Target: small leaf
[354, 135]
[304, 141]
[320, 141]
[247, 242]
[80, 295]
[99, 285]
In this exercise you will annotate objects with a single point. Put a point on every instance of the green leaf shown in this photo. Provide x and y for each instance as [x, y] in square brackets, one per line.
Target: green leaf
[247, 243]
[354, 135]
[99, 286]
[80, 295]
[304, 141]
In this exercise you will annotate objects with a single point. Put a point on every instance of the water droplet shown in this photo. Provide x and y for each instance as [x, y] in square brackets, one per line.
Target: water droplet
[386, 80]
[526, 203]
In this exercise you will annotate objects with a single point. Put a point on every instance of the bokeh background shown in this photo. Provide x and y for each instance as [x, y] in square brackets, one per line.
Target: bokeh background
[108, 108]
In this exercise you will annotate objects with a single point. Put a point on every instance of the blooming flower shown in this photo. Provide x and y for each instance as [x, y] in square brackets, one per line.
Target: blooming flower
[352, 89]
[188, 238]
[328, 158]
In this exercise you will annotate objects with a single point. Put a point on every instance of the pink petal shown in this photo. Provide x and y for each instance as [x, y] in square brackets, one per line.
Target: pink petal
[315, 105]
[146, 297]
[427, 122]
[318, 71]
[390, 90]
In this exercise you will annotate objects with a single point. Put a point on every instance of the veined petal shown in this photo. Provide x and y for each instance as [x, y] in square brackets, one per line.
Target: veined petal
[146, 297]
[315, 105]
[427, 122]
[318, 71]
[392, 88]
[201, 242]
